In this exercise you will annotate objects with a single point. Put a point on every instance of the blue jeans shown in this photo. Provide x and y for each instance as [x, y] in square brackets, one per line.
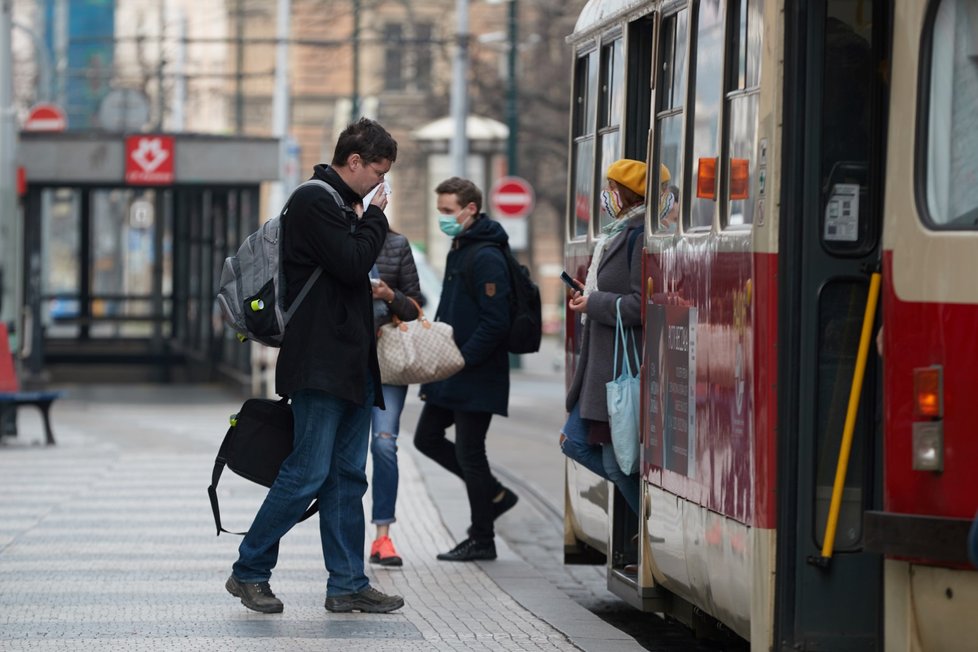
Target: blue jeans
[328, 462]
[386, 425]
[598, 458]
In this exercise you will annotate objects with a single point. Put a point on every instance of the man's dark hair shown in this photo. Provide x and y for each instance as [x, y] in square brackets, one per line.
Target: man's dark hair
[368, 139]
[463, 189]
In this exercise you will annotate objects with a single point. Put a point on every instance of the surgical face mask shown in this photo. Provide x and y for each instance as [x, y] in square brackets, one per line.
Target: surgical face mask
[611, 201]
[449, 224]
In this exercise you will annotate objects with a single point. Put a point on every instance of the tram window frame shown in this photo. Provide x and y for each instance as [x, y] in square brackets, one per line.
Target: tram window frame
[611, 69]
[671, 91]
[583, 121]
[739, 123]
[704, 128]
[940, 62]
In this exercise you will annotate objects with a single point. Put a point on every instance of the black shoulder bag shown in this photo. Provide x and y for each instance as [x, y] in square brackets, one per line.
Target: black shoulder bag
[256, 444]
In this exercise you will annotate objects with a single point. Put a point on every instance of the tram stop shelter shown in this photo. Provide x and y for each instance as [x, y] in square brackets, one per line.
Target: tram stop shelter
[124, 237]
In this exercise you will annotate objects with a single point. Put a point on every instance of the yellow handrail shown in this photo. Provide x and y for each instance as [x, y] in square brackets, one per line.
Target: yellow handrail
[869, 318]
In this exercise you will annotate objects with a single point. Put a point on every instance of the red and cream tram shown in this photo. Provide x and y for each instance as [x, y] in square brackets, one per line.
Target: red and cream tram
[799, 489]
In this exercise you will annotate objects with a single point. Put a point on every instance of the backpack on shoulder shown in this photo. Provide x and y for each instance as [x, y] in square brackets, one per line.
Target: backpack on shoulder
[252, 291]
[256, 444]
[525, 310]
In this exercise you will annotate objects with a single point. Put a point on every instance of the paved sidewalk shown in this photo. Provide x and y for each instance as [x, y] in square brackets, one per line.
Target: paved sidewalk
[107, 541]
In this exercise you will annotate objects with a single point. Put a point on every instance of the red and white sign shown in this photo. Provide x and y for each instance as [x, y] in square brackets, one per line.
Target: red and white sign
[46, 117]
[511, 197]
[149, 160]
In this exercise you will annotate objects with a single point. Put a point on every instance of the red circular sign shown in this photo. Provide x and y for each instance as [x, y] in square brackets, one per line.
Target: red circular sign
[45, 117]
[511, 197]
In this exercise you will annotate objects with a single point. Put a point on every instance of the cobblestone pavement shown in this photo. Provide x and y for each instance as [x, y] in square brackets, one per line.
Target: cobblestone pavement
[107, 540]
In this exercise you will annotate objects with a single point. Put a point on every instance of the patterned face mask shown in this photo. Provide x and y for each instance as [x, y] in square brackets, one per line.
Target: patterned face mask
[666, 201]
[611, 201]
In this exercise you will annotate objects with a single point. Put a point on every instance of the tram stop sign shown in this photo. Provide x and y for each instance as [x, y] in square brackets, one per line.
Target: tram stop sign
[511, 197]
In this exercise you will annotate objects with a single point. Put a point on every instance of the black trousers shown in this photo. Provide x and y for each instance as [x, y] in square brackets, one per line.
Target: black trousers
[466, 458]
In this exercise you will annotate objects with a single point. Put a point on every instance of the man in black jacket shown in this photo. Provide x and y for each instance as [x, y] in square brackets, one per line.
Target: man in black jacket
[328, 366]
[475, 301]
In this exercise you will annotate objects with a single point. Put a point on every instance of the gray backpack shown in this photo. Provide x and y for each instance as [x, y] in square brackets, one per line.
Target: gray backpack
[252, 292]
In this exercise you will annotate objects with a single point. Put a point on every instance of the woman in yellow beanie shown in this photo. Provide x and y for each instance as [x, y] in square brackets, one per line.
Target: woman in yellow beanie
[614, 276]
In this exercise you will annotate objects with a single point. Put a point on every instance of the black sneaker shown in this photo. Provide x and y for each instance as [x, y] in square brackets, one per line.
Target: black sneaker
[470, 550]
[369, 600]
[256, 596]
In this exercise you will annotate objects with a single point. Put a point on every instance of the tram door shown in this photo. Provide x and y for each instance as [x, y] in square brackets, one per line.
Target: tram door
[831, 240]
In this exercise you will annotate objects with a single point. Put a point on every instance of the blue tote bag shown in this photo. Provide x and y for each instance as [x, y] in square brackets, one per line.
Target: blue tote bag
[623, 400]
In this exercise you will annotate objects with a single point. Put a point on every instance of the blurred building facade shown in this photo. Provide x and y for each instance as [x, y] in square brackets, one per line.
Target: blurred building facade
[209, 67]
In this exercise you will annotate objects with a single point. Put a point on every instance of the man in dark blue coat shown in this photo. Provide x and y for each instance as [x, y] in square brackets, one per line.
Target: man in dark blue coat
[475, 301]
[328, 366]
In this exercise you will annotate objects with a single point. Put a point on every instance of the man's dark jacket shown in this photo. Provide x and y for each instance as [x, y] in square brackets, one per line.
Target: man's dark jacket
[475, 301]
[329, 343]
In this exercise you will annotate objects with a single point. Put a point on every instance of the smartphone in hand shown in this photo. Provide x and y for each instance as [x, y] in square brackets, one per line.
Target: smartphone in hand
[570, 282]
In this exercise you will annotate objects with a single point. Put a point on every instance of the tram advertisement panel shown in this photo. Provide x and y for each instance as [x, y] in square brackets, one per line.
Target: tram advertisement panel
[670, 347]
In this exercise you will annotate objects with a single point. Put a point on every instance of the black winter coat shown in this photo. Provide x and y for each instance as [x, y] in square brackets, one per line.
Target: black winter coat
[329, 344]
[397, 270]
[475, 301]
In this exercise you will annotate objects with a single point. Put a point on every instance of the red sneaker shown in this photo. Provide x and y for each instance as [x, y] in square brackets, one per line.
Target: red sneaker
[382, 552]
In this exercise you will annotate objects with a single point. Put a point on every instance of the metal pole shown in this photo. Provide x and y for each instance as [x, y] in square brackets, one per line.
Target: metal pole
[239, 70]
[355, 98]
[61, 54]
[180, 74]
[280, 99]
[512, 110]
[10, 233]
[459, 99]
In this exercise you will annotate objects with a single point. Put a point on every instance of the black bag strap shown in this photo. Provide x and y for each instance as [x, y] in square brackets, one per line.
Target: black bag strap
[219, 463]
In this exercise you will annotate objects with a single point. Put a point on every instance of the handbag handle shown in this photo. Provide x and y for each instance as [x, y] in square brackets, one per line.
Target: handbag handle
[623, 335]
[398, 323]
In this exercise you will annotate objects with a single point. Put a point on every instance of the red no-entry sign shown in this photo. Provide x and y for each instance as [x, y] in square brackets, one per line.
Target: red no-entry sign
[511, 197]
[45, 117]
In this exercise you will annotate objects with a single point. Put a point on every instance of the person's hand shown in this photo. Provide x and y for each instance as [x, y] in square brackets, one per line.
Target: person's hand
[380, 197]
[578, 302]
[382, 291]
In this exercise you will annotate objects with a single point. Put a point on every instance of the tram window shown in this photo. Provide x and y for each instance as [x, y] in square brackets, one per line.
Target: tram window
[585, 113]
[612, 91]
[848, 83]
[841, 305]
[669, 119]
[952, 130]
[742, 98]
[613, 85]
[705, 114]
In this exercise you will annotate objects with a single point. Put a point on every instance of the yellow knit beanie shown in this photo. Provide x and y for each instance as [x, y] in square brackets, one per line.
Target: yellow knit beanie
[628, 173]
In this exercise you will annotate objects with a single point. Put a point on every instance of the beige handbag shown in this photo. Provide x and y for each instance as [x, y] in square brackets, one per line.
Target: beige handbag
[417, 351]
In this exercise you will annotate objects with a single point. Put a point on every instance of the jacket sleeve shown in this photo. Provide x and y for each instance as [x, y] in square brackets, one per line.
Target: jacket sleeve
[601, 304]
[490, 285]
[345, 247]
[408, 285]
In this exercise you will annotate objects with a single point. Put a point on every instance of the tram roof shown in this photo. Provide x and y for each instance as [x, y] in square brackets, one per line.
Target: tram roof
[597, 12]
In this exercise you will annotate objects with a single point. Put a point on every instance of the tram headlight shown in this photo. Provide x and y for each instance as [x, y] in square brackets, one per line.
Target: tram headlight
[928, 446]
